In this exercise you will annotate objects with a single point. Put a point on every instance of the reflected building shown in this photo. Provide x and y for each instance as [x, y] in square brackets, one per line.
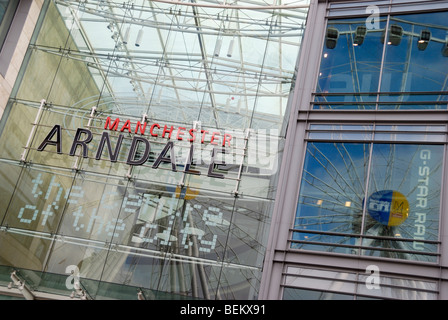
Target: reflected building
[208, 150]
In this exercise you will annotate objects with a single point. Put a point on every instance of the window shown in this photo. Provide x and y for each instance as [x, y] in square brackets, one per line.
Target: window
[7, 11]
[378, 196]
[400, 64]
[318, 284]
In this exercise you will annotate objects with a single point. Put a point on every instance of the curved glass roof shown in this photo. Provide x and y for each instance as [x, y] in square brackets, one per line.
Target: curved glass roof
[226, 64]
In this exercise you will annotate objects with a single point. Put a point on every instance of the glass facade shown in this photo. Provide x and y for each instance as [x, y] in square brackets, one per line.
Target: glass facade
[182, 150]
[140, 148]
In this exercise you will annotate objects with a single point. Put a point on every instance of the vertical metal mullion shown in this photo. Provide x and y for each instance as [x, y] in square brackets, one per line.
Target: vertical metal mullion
[238, 181]
[33, 129]
[380, 78]
[189, 156]
[130, 169]
[366, 190]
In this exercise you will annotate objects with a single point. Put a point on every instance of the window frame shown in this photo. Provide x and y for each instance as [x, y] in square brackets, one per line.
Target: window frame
[6, 22]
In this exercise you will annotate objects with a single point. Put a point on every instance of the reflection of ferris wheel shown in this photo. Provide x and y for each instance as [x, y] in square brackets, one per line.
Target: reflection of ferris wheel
[353, 60]
[192, 234]
[332, 200]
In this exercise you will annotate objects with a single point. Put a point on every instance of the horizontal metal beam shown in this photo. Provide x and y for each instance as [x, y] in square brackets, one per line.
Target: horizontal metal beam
[365, 116]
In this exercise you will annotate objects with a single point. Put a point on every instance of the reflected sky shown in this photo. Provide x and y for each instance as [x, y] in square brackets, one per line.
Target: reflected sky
[415, 63]
[339, 176]
[224, 66]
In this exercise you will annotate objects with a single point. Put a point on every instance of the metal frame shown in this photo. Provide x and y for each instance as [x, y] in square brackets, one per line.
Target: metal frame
[214, 71]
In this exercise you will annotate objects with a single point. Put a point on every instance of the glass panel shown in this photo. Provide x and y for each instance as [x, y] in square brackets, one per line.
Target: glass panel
[334, 283]
[331, 195]
[416, 40]
[352, 61]
[261, 164]
[350, 65]
[402, 206]
[92, 209]
[410, 137]
[9, 175]
[410, 133]
[340, 132]
[332, 289]
[237, 283]
[400, 288]
[303, 294]
[39, 200]
[339, 127]
[339, 283]
[16, 245]
[14, 137]
[339, 136]
[87, 256]
[404, 200]
[411, 128]
[248, 233]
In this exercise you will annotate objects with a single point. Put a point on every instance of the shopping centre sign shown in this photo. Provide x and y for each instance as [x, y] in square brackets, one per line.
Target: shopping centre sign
[84, 136]
[167, 132]
[160, 210]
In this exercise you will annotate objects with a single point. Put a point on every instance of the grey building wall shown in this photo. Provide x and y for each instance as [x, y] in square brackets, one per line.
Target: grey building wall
[15, 47]
[289, 271]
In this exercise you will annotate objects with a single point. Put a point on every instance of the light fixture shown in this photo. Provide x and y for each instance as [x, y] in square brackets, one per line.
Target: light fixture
[423, 40]
[110, 26]
[217, 47]
[331, 37]
[139, 38]
[348, 203]
[230, 50]
[126, 35]
[395, 34]
[360, 34]
[445, 47]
